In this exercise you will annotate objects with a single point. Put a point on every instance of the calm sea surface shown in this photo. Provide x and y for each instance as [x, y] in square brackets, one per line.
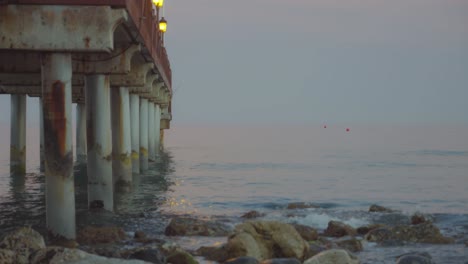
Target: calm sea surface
[223, 171]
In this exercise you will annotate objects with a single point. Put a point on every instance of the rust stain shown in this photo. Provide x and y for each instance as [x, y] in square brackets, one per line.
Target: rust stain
[87, 40]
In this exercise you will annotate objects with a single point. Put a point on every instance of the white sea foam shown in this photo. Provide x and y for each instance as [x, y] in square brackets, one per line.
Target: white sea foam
[320, 220]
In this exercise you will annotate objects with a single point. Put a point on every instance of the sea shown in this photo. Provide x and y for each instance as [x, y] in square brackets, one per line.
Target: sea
[220, 172]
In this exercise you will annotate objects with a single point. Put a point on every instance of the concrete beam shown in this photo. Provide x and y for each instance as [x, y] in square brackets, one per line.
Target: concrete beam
[59, 28]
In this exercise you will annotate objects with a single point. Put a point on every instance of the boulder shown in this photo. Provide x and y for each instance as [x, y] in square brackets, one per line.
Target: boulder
[151, 255]
[301, 205]
[23, 242]
[353, 244]
[307, 233]
[339, 229]
[281, 261]
[421, 233]
[56, 255]
[363, 230]
[242, 260]
[92, 235]
[252, 214]
[417, 219]
[314, 249]
[140, 235]
[185, 226]
[415, 258]
[7, 256]
[212, 253]
[265, 240]
[378, 208]
[333, 256]
[181, 257]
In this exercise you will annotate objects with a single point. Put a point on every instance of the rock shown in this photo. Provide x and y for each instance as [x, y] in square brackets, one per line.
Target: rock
[23, 241]
[314, 249]
[212, 253]
[415, 258]
[301, 205]
[181, 257]
[421, 233]
[242, 260]
[352, 244]
[333, 256]
[417, 219]
[151, 255]
[7, 256]
[339, 229]
[91, 235]
[266, 240]
[194, 227]
[378, 208]
[252, 214]
[139, 235]
[363, 230]
[281, 261]
[56, 255]
[307, 233]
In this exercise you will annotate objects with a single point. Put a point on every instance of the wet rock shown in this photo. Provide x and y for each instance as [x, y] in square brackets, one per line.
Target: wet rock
[194, 227]
[151, 255]
[363, 230]
[301, 205]
[242, 260]
[339, 229]
[23, 242]
[7, 256]
[266, 240]
[307, 233]
[378, 208]
[417, 219]
[252, 214]
[139, 235]
[314, 249]
[466, 243]
[91, 235]
[421, 233]
[281, 261]
[415, 258]
[181, 257]
[74, 256]
[333, 256]
[353, 244]
[212, 253]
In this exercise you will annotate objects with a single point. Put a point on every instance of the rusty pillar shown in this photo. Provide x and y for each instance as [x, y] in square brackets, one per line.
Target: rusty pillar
[121, 140]
[81, 133]
[151, 133]
[135, 131]
[57, 103]
[99, 142]
[18, 134]
[143, 134]
[41, 137]
[157, 127]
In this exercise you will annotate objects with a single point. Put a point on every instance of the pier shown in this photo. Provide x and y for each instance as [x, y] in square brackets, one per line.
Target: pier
[107, 57]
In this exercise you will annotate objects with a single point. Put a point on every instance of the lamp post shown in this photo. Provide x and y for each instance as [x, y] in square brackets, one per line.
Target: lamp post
[162, 27]
[159, 4]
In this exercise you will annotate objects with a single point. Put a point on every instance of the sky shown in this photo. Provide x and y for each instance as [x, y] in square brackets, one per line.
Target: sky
[318, 61]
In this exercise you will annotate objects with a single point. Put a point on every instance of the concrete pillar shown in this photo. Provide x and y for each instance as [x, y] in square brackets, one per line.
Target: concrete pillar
[151, 132]
[157, 127]
[161, 138]
[81, 133]
[135, 131]
[99, 142]
[41, 137]
[121, 139]
[57, 104]
[143, 134]
[18, 134]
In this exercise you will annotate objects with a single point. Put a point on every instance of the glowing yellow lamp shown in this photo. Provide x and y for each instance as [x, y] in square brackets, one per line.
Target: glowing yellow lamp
[158, 3]
[162, 25]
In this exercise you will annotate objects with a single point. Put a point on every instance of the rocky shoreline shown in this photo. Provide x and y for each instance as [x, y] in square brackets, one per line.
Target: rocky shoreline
[252, 241]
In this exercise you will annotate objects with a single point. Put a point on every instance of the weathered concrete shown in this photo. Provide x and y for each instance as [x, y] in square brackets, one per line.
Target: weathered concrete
[121, 139]
[135, 131]
[81, 133]
[151, 133]
[143, 135]
[99, 142]
[60, 192]
[157, 127]
[18, 134]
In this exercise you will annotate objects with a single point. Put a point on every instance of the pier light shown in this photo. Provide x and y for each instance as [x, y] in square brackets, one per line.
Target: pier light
[162, 25]
[158, 3]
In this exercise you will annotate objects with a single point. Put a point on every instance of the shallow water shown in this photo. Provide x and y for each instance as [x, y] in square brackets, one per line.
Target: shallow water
[223, 171]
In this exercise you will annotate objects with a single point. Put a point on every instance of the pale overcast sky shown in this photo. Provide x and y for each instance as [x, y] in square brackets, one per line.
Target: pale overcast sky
[315, 61]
